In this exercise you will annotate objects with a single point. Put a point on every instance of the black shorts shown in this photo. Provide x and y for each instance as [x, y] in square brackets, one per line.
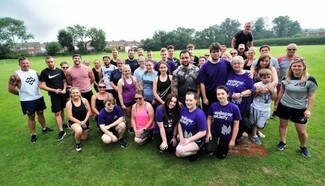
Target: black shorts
[58, 102]
[295, 115]
[71, 123]
[112, 129]
[129, 104]
[87, 95]
[30, 107]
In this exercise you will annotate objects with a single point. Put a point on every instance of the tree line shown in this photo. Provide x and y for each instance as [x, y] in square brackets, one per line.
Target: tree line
[85, 39]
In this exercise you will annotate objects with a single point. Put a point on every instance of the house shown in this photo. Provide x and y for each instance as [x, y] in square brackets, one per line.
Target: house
[120, 45]
[30, 47]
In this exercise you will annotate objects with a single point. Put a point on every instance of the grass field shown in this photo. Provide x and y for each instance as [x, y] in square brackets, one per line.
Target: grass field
[49, 162]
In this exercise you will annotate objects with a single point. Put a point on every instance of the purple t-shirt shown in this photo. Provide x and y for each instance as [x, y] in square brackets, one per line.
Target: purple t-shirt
[106, 118]
[239, 83]
[213, 75]
[192, 122]
[168, 125]
[224, 117]
[171, 66]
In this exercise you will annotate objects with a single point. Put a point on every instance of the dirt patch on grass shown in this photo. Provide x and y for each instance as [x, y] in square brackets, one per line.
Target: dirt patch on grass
[248, 148]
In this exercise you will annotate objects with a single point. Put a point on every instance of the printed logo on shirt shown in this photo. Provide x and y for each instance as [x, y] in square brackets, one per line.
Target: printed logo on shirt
[222, 115]
[225, 130]
[185, 120]
[51, 77]
[30, 80]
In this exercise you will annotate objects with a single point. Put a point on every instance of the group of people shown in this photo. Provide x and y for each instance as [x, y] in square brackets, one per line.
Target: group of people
[185, 105]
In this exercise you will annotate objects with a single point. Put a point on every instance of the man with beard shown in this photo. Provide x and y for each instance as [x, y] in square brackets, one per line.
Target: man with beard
[53, 80]
[131, 61]
[81, 76]
[185, 77]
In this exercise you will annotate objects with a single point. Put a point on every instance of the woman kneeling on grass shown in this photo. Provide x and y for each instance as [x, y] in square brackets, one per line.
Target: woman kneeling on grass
[78, 110]
[167, 118]
[110, 121]
[223, 123]
[295, 101]
[191, 128]
[142, 118]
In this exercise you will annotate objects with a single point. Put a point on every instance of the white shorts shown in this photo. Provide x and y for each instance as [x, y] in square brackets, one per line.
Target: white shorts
[258, 118]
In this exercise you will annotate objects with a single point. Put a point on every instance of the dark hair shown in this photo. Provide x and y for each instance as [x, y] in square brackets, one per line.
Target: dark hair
[164, 63]
[174, 112]
[192, 93]
[140, 92]
[106, 57]
[262, 57]
[64, 62]
[48, 57]
[222, 87]
[170, 47]
[22, 58]
[215, 46]
[265, 46]
[184, 52]
[76, 55]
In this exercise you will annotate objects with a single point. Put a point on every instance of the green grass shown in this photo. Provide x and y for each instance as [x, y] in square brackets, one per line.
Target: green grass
[49, 162]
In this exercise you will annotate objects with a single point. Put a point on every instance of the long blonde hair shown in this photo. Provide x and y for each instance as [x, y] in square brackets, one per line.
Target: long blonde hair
[304, 76]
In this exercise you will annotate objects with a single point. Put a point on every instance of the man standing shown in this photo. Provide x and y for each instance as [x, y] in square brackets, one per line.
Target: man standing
[81, 76]
[131, 61]
[24, 83]
[53, 80]
[171, 56]
[107, 69]
[115, 57]
[185, 77]
[243, 37]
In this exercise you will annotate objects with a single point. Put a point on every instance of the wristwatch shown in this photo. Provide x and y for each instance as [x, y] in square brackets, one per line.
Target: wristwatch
[144, 130]
[241, 95]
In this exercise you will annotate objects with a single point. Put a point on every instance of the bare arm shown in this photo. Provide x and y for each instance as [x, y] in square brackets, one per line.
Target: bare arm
[120, 92]
[208, 135]
[68, 76]
[234, 133]
[91, 75]
[203, 93]
[311, 99]
[13, 83]
[151, 116]
[93, 105]
[233, 42]
[154, 90]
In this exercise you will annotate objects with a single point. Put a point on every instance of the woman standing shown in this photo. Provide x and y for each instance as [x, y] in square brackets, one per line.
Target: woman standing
[295, 102]
[78, 110]
[191, 128]
[147, 82]
[223, 120]
[127, 86]
[97, 70]
[162, 84]
[142, 118]
[167, 118]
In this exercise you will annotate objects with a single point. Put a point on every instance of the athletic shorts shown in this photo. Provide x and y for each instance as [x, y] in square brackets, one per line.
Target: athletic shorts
[58, 102]
[258, 117]
[71, 123]
[145, 134]
[112, 129]
[87, 95]
[30, 107]
[295, 115]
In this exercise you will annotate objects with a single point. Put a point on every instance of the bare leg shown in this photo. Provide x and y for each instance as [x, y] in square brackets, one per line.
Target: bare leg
[58, 119]
[41, 119]
[31, 123]
[77, 132]
[302, 133]
[283, 129]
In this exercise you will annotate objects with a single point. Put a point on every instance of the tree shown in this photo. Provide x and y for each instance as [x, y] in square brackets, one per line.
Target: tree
[284, 27]
[53, 48]
[11, 31]
[228, 28]
[65, 40]
[259, 29]
[98, 39]
[79, 34]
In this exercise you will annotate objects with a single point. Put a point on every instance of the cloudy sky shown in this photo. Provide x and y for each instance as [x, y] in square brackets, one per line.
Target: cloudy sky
[139, 19]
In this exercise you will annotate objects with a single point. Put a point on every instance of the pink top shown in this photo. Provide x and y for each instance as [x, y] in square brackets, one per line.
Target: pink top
[141, 119]
[80, 78]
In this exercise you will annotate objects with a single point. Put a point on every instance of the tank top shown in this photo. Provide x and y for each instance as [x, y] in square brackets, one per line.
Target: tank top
[163, 88]
[79, 112]
[29, 90]
[128, 91]
[80, 78]
[141, 119]
[99, 103]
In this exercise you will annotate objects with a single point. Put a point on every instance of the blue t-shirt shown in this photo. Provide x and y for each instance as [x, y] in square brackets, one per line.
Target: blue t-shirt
[106, 118]
[223, 119]
[212, 75]
[147, 80]
[192, 122]
[239, 83]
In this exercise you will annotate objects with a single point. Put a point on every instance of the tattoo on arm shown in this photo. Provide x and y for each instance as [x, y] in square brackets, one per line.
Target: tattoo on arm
[13, 80]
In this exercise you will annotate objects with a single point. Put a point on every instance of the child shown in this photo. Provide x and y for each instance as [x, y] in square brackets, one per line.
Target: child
[261, 106]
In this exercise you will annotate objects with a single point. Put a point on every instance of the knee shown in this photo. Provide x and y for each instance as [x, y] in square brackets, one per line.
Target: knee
[58, 114]
[106, 139]
[302, 133]
[179, 151]
[39, 113]
[121, 126]
[139, 141]
[77, 130]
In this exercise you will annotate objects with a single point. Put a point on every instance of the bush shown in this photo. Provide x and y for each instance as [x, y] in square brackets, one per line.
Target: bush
[311, 40]
[108, 50]
[53, 48]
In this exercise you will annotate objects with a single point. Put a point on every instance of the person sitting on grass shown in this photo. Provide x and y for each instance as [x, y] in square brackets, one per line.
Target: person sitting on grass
[142, 117]
[223, 124]
[78, 110]
[167, 118]
[111, 122]
[261, 106]
[191, 128]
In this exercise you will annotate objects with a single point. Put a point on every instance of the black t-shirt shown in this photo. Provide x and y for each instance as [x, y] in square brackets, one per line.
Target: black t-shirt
[241, 38]
[53, 78]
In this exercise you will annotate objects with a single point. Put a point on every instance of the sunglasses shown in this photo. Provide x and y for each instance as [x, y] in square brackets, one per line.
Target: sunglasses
[65, 67]
[207, 55]
[109, 104]
[101, 86]
[138, 98]
[233, 53]
[292, 49]
[298, 59]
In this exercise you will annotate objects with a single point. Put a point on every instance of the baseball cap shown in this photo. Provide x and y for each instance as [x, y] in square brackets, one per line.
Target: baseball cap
[241, 46]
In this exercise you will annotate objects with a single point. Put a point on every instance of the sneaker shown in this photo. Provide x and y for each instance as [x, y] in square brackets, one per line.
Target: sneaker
[61, 135]
[281, 146]
[193, 157]
[33, 138]
[47, 130]
[64, 125]
[305, 152]
[273, 116]
[122, 143]
[256, 140]
[78, 147]
[260, 134]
